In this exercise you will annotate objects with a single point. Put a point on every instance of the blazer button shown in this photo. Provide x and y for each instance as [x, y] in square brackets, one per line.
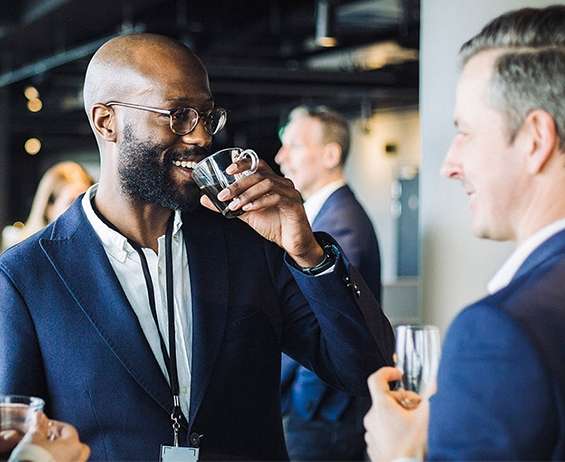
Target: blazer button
[194, 439]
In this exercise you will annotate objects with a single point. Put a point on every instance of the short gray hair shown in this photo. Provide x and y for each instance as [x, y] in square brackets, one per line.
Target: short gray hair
[335, 128]
[529, 74]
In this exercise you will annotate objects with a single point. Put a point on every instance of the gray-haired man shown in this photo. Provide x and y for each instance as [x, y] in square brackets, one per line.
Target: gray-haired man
[501, 384]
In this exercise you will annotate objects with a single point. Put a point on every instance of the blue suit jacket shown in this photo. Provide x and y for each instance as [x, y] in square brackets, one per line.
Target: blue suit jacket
[302, 392]
[69, 335]
[501, 384]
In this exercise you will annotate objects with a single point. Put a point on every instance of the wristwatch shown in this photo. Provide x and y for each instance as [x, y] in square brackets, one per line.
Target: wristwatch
[330, 258]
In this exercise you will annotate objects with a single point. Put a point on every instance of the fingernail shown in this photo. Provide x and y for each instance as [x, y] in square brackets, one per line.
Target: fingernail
[223, 194]
[246, 207]
[231, 169]
[234, 204]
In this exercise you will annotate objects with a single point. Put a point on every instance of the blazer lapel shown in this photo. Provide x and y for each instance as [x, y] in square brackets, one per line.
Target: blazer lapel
[552, 246]
[208, 266]
[81, 262]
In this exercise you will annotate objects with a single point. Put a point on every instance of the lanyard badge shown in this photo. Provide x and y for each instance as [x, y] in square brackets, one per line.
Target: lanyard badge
[168, 453]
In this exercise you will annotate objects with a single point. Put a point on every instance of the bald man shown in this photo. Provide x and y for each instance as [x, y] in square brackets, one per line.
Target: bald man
[145, 318]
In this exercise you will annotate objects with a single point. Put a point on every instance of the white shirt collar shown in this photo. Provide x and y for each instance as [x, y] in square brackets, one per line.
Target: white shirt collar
[315, 202]
[505, 274]
[114, 243]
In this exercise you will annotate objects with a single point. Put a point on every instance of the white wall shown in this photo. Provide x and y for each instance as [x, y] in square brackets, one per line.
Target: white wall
[371, 172]
[455, 266]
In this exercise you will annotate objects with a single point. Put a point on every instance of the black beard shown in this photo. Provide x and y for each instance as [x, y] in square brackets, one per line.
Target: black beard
[145, 177]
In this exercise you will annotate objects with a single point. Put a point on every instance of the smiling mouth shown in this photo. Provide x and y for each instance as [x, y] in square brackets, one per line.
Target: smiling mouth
[187, 164]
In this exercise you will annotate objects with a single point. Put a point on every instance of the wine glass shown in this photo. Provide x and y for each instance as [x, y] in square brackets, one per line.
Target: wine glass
[417, 356]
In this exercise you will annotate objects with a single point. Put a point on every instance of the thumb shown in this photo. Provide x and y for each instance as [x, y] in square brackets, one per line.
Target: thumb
[39, 424]
[379, 381]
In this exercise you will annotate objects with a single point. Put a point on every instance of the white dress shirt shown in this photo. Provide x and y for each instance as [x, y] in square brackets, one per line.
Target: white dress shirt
[127, 265]
[315, 202]
[505, 274]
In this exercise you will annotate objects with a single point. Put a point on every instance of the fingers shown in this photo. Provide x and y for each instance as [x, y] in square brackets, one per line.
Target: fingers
[66, 431]
[379, 381]
[39, 424]
[206, 202]
[84, 453]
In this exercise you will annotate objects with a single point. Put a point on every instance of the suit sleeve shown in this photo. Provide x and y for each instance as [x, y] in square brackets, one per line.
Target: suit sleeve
[325, 329]
[20, 358]
[494, 399]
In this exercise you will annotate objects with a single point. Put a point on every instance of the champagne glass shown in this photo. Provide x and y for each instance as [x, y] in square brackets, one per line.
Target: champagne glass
[417, 356]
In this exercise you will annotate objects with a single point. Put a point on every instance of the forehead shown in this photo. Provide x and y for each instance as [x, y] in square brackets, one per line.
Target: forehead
[304, 129]
[472, 95]
[178, 79]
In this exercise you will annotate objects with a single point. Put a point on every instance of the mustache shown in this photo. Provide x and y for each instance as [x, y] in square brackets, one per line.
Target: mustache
[189, 153]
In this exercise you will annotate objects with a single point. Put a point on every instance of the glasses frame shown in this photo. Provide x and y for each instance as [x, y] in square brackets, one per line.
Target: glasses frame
[171, 113]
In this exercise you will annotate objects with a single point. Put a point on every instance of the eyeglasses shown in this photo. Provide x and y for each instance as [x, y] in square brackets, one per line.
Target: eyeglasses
[185, 119]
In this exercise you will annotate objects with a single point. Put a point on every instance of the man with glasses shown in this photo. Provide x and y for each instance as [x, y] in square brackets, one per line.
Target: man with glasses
[154, 325]
[322, 423]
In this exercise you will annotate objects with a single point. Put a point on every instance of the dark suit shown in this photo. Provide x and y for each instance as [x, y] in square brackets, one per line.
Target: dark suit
[501, 383]
[69, 335]
[323, 423]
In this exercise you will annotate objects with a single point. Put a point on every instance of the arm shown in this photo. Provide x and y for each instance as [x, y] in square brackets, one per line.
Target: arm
[324, 327]
[21, 367]
[494, 398]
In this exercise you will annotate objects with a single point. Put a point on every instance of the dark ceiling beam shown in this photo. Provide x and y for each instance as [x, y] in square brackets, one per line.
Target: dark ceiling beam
[311, 90]
[56, 60]
[279, 74]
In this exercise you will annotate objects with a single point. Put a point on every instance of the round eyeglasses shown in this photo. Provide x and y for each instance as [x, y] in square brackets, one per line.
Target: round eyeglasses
[183, 120]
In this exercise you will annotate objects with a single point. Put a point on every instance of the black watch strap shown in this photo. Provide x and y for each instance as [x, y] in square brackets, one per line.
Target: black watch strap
[330, 258]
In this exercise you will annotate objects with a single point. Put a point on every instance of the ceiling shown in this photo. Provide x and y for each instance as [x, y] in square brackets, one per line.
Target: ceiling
[261, 57]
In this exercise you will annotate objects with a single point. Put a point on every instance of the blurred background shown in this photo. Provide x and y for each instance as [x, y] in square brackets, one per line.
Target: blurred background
[359, 57]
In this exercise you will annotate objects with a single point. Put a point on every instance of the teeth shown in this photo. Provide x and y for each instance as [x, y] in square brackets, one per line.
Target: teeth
[184, 163]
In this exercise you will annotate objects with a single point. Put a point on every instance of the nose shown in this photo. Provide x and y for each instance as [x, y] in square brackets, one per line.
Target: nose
[451, 167]
[281, 155]
[199, 136]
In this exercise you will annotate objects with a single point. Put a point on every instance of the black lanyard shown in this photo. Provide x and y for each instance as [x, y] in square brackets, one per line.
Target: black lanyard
[171, 358]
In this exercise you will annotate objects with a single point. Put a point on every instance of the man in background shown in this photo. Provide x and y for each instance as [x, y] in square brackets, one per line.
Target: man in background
[501, 382]
[322, 423]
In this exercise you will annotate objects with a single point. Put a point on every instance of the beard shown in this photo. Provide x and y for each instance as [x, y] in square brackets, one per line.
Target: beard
[146, 175]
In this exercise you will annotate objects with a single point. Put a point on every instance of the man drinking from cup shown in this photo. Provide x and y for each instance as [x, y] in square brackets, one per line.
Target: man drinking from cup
[170, 318]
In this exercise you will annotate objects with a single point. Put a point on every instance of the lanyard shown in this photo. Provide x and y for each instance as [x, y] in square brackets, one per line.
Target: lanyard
[171, 358]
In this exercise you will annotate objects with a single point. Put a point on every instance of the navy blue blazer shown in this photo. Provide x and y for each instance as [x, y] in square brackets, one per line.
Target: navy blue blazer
[302, 392]
[69, 335]
[501, 383]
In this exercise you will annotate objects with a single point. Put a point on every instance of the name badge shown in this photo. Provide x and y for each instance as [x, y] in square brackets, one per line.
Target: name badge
[178, 454]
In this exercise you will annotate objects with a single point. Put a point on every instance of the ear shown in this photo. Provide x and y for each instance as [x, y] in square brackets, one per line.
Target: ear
[104, 122]
[331, 157]
[541, 133]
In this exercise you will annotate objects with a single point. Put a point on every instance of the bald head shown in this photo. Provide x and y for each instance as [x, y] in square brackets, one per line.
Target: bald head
[140, 68]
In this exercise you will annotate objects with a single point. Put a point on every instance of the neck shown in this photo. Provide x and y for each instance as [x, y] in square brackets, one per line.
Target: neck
[139, 221]
[322, 182]
[544, 208]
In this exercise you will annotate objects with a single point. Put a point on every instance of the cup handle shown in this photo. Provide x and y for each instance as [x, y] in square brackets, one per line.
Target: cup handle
[254, 161]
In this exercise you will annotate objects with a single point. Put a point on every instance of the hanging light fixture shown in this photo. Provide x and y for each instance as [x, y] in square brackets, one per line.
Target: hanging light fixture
[325, 24]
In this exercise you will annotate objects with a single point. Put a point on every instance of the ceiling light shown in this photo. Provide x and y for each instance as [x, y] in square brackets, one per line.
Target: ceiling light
[325, 19]
[32, 146]
[31, 93]
[34, 105]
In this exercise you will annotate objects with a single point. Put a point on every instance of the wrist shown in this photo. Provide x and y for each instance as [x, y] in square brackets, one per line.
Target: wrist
[311, 258]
